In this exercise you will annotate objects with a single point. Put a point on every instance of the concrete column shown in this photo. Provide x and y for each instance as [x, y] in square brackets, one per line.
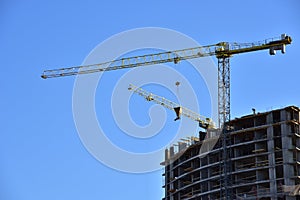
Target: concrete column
[171, 172]
[288, 169]
[271, 158]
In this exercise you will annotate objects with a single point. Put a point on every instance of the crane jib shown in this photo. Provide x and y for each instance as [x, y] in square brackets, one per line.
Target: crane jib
[220, 50]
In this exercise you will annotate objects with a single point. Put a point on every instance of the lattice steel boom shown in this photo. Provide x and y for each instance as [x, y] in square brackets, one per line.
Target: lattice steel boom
[204, 122]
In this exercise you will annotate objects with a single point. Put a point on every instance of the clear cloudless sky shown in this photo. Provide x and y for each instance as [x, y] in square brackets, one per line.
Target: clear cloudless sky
[41, 155]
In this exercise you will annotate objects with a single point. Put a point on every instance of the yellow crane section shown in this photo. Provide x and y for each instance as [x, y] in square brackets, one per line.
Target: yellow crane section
[220, 50]
[204, 122]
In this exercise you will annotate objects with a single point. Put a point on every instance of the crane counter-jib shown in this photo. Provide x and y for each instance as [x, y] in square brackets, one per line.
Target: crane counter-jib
[273, 44]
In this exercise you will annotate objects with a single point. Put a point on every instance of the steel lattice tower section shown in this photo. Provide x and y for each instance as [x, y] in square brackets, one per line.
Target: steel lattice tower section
[223, 90]
[224, 116]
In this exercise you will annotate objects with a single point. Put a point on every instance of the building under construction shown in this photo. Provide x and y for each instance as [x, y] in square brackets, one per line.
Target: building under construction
[261, 160]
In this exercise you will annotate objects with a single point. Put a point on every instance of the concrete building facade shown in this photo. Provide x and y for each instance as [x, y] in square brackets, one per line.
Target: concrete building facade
[263, 160]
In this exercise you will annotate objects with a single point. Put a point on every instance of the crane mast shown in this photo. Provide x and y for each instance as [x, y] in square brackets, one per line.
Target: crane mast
[204, 122]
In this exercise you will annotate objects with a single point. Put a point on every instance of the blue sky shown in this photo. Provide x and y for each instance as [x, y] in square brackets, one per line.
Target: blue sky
[41, 154]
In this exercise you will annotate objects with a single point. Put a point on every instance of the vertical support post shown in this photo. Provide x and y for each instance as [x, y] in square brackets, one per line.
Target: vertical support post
[223, 90]
[224, 116]
[287, 145]
[226, 176]
[271, 158]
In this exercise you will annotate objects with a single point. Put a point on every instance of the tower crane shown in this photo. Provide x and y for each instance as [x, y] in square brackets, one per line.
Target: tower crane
[204, 122]
[223, 51]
